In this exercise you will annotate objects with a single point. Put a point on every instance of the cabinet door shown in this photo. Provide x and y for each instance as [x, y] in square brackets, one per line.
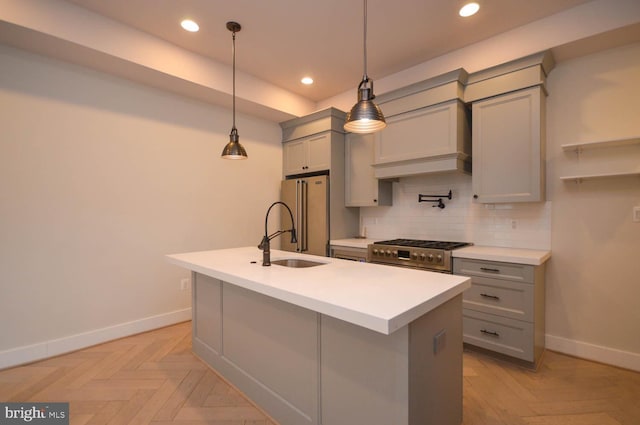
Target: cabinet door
[307, 155]
[426, 132]
[508, 147]
[362, 188]
[295, 157]
[319, 152]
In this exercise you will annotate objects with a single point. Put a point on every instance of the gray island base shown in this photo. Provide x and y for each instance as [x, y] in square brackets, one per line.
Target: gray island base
[302, 366]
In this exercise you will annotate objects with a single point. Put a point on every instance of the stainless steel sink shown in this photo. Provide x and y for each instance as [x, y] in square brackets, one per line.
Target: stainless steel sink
[296, 263]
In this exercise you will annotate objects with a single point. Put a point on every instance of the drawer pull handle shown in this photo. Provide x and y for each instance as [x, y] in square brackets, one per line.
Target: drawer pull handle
[486, 269]
[493, 297]
[492, 333]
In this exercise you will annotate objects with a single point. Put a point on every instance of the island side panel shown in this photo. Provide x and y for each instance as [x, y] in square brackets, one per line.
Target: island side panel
[276, 343]
[207, 315]
[364, 375]
[266, 348]
[435, 366]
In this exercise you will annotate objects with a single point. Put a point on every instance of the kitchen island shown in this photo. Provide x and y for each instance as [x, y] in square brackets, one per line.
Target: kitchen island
[338, 343]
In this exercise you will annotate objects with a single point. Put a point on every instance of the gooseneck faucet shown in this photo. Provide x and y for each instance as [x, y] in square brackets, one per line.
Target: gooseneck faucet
[265, 243]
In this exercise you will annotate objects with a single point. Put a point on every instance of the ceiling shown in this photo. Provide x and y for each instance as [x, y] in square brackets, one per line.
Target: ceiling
[283, 40]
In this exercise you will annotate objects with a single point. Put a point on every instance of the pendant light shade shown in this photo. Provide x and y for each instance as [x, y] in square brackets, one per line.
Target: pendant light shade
[233, 149]
[365, 116]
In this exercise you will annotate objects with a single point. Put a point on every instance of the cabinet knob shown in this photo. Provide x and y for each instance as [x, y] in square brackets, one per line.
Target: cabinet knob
[475, 196]
[375, 200]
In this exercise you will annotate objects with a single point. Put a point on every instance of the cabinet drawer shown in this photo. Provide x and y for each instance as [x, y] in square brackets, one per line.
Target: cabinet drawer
[507, 336]
[494, 269]
[500, 297]
[349, 253]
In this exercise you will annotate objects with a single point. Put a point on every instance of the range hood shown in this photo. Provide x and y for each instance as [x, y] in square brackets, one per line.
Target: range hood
[428, 129]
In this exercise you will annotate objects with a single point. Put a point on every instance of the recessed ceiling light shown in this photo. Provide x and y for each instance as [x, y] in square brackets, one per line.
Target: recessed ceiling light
[307, 80]
[190, 25]
[469, 9]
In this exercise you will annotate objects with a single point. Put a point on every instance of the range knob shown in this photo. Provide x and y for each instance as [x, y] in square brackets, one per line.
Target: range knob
[388, 253]
[375, 252]
[414, 255]
[394, 253]
[439, 258]
[422, 257]
[430, 258]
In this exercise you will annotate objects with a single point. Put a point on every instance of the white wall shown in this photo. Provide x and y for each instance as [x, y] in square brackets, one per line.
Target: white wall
[593, 279]
[99, 179]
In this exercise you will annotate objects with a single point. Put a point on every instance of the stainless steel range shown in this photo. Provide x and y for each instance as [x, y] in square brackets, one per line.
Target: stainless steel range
[426, 255]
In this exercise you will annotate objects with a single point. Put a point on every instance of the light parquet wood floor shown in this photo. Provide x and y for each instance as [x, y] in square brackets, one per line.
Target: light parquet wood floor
[564, 391]
[153, 378]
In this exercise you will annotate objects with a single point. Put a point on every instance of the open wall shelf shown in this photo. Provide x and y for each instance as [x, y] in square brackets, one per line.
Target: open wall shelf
[579, 178]
[600, 144]
[578, 148]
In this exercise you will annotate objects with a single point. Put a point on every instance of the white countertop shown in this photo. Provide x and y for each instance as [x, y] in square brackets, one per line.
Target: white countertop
[378, 297]
[532, 257]
[353, 242]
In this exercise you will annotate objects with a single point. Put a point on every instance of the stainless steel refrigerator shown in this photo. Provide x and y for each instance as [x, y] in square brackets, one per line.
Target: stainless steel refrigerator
[308, 198]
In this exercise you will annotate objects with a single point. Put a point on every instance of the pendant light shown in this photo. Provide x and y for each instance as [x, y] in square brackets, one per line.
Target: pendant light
[234, 149]
[365, 116]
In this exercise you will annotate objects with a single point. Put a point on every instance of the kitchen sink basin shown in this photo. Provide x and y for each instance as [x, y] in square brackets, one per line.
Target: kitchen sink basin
[296, 263]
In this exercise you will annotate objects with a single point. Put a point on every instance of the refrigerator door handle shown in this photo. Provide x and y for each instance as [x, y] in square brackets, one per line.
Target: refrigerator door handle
[298, 215]
[303, 215]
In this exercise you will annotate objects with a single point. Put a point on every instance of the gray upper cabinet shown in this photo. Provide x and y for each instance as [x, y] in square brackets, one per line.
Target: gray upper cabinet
[508, 147]
[313, 143]
[508, 115]
[362, 188]
[307, 155]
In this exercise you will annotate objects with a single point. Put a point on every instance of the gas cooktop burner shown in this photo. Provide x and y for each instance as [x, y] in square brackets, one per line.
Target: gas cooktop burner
[415, 243]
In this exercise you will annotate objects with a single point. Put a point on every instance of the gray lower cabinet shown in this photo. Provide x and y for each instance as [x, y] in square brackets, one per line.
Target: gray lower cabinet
[503, 311]
[302, 367]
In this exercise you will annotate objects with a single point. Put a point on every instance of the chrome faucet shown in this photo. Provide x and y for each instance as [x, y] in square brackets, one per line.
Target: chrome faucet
[265, 243]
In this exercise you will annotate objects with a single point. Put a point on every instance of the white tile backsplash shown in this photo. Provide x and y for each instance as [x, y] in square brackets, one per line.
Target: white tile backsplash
[517, 225]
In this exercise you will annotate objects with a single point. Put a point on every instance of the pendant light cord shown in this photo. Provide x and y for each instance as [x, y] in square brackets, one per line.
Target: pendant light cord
[233, 149]
[366, 77]
[233, 51]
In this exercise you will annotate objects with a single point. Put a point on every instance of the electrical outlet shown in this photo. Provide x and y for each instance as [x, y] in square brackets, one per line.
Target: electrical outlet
[514, 224]
[636, 214]
[184, 284]
[439, 341]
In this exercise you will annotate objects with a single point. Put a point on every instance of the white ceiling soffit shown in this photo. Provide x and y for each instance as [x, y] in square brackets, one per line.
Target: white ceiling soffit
[281, 40]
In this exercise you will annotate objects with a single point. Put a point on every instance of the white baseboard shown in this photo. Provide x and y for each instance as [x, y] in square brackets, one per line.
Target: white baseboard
[598, 353]
[54, 347]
